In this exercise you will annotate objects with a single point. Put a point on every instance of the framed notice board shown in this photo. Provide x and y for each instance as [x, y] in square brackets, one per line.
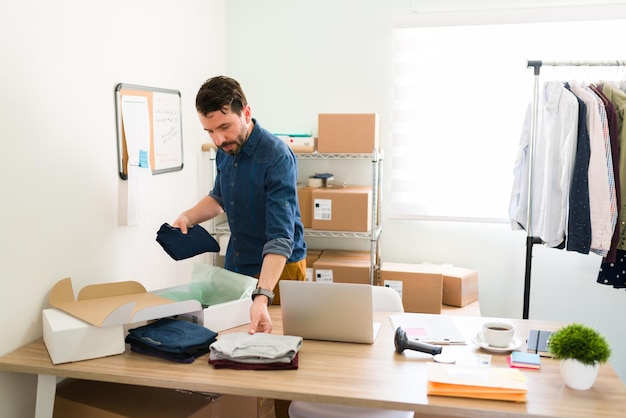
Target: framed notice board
[149, 128]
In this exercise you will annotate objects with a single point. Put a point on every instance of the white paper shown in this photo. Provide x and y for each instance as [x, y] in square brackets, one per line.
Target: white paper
[167, 131]
[136, 120]
[432, 329]
[323, 209]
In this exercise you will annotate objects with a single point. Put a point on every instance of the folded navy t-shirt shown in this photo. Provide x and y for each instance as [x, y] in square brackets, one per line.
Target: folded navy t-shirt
[173, 336]
[179, 246]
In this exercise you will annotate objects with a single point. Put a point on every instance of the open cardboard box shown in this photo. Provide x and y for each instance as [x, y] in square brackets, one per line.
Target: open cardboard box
[118, 303]
[92, 324]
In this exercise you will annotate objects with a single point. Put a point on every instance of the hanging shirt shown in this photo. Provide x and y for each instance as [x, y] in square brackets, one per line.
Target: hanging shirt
[613, 272]
[613, 208]
[553, 161]
[579, 218]
[611, 115]
[599, 188]
[618, 98]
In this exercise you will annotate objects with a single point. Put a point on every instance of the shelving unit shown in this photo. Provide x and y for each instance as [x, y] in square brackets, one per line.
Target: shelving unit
[376, 158]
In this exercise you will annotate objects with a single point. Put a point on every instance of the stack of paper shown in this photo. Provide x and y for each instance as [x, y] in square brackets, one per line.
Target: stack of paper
[431, 329]
[521, 360]
[476, 382]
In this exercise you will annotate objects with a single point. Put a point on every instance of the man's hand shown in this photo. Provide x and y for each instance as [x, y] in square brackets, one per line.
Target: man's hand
[259, 316]
[182, 223]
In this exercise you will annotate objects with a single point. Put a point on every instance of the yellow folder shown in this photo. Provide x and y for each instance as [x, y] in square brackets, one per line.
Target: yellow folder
[476, 382]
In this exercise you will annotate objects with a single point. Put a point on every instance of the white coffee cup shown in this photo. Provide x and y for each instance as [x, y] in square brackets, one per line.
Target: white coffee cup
[497, 334]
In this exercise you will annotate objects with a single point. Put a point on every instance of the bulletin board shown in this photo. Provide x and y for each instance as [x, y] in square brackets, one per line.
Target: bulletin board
[149, 128]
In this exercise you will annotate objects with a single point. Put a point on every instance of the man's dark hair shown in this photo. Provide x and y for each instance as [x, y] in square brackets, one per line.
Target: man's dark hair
[220, 93]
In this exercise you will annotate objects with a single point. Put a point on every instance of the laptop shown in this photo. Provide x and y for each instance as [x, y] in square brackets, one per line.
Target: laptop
[328, 311]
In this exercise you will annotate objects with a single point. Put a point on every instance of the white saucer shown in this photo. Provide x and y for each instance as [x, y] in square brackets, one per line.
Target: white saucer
[513, 345]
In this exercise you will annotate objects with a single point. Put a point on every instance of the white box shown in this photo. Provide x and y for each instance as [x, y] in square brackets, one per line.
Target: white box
[224, 297]
[68, 339]
[223, 316]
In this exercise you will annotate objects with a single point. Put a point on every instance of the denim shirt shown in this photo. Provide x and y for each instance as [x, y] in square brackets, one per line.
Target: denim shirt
[257, 188]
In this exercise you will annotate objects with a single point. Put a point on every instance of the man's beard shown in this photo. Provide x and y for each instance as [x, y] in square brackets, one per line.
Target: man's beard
[237, 143]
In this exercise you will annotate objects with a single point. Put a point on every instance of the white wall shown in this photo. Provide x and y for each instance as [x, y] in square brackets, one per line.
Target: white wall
[61, 194]
[311, 57]
[62, 197]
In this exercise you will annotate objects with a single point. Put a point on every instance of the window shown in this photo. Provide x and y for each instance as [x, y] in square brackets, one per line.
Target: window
[460, 95]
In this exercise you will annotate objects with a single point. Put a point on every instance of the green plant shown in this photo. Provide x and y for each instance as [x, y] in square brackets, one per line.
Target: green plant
[579, 342]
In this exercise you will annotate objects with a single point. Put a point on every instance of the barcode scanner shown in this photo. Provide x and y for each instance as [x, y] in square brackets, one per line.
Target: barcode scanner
[402, 343]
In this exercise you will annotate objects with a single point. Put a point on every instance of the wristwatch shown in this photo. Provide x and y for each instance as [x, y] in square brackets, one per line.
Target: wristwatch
[264, 292]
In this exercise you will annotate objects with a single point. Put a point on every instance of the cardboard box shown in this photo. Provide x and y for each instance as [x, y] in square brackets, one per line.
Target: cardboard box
[305, 201]
[362, 255]
[116, 303]
[342, 209]
[82, 398]
[68, 339]
[335, 267]
[92, 325]
[311, 257]
[347, 133]
[299, 144]
[460, 286]
[420, 286]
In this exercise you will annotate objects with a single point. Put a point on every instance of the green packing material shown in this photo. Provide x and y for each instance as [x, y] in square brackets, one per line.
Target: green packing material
[211, 285]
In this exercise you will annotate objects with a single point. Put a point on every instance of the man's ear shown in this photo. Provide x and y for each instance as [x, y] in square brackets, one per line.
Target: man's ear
[247, 113]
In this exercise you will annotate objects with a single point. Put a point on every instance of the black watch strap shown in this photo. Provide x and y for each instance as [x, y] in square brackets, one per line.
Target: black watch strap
[264, 292]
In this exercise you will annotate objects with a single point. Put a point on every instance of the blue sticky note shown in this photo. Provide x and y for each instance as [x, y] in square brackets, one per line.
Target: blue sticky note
[525, 358]
[143, 158]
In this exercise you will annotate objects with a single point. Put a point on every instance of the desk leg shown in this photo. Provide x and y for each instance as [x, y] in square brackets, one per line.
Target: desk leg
[46, 391]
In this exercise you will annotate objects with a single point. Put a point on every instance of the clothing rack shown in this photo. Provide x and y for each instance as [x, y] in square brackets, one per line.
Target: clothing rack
[530, 239]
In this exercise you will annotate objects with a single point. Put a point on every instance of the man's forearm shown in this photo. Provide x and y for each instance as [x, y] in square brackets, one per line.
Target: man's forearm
[205, 209]
[271, 269]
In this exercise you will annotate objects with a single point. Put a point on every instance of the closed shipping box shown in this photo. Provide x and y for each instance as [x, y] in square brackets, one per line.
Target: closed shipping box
[347, 133]
[460, 286]
[306, 205]
[342, 209]
[311, 257]
[350, 267]
[84, 398]
[421, 287]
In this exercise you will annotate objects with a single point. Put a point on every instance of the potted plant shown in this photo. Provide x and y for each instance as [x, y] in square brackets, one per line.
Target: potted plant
[581, 350]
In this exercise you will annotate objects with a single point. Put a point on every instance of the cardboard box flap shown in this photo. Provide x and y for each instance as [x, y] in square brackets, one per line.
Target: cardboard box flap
[102, 290]
[115, 303]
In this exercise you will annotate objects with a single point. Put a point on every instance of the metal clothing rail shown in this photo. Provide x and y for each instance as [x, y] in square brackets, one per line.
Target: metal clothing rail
[530, 239]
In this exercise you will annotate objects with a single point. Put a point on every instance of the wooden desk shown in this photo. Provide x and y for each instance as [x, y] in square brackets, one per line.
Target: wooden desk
[352, 374]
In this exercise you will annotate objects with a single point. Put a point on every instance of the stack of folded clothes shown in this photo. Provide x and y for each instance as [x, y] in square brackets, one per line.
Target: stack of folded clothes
[171, 339]
[260, 351]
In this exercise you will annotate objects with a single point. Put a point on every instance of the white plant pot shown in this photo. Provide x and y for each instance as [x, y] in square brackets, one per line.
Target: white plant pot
[577, 375]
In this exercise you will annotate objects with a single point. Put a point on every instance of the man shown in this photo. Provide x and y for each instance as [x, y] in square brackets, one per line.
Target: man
[256, 187]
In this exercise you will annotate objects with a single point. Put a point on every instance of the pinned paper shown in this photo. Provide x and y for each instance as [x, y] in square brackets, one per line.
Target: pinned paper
[143, 159]
[136, 118]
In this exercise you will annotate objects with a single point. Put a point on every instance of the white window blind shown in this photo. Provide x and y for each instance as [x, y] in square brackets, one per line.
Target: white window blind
[460, 95]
